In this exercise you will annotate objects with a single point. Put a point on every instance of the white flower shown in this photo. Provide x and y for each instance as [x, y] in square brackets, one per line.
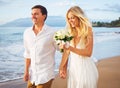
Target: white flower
[58, 42]
[62, 36]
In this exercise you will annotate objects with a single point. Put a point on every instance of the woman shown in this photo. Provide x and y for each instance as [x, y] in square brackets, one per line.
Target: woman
[82, 71]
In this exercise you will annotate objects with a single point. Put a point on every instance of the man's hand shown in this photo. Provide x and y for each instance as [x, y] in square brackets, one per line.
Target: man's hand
[63, 73]
[26, 76]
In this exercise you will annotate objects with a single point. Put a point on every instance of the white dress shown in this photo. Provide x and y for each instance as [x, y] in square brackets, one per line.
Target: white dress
[83, 72]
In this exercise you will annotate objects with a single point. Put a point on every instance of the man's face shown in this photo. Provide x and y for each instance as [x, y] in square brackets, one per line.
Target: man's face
[37, 16]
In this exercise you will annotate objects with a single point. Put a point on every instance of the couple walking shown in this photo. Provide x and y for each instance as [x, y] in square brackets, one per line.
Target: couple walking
[40, 50]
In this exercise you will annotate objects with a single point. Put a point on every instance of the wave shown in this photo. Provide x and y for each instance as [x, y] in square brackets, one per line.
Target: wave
[106, 33]
[17, 34]
[104, 36]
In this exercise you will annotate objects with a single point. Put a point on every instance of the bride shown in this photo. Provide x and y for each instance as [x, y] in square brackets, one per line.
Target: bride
[82, 70]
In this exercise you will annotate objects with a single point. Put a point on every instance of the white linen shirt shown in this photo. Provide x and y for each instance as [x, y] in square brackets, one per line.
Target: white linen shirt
[41, 50]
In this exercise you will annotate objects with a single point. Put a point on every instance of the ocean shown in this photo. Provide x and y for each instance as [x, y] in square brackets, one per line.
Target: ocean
[106, 44]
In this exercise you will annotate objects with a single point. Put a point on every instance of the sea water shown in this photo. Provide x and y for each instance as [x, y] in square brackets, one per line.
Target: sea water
[106, 44]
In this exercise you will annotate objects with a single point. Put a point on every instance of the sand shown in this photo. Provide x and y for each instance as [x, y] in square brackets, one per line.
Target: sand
[109, 76]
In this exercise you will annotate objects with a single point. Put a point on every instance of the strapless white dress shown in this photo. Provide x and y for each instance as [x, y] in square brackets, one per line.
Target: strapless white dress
[83, 72]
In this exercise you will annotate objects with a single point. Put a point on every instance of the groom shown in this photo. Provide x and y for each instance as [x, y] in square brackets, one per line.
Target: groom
[39, 51]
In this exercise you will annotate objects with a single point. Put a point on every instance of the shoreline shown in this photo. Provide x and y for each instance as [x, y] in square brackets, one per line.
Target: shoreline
[109, 76]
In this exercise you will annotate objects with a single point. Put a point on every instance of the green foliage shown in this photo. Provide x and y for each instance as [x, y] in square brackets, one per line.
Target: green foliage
[115, 23]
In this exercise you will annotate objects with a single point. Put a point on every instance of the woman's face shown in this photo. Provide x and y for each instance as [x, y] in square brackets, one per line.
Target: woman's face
[73, 20]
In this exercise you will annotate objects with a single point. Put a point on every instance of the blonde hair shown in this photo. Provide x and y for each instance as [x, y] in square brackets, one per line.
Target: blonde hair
[84, 23]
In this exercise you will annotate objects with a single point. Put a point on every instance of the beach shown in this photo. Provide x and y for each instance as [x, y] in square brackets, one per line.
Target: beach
[106, 44]
[109, 76]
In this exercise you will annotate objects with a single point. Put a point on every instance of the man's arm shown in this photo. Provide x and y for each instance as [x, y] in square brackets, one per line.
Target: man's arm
[26, 71]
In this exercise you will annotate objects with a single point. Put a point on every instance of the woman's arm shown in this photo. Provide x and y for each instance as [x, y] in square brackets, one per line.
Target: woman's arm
[63, 64]
[64, 58]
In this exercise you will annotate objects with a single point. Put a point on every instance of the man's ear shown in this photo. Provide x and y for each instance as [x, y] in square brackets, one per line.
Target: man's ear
[45, 17]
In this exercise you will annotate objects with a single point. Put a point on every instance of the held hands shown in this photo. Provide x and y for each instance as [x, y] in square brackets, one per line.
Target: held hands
[63, 72]
[26, 76]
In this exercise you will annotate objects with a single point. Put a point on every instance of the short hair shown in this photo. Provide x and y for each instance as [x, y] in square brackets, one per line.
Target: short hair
[42, 9]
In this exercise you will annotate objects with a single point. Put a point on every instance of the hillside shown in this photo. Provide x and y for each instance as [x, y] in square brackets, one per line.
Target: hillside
[57, 21]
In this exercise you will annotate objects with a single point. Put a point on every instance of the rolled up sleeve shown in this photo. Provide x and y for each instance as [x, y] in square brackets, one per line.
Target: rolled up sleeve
[26, 53]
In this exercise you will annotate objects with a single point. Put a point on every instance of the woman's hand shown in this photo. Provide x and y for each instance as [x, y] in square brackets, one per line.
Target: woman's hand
[61, 45]
[64, 45]
[67, 45]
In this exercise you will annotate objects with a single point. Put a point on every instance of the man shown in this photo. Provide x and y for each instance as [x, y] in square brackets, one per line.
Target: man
[39, 51]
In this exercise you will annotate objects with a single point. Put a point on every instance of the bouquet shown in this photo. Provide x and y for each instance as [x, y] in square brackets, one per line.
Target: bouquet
[62, 36]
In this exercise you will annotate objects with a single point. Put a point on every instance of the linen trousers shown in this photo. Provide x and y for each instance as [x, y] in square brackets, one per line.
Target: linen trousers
[45, 85]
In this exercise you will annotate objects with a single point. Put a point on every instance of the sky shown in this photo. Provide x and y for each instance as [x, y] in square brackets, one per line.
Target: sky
[99, 10]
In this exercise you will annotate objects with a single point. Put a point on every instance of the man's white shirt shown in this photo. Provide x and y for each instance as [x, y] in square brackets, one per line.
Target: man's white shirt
[40, 49]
